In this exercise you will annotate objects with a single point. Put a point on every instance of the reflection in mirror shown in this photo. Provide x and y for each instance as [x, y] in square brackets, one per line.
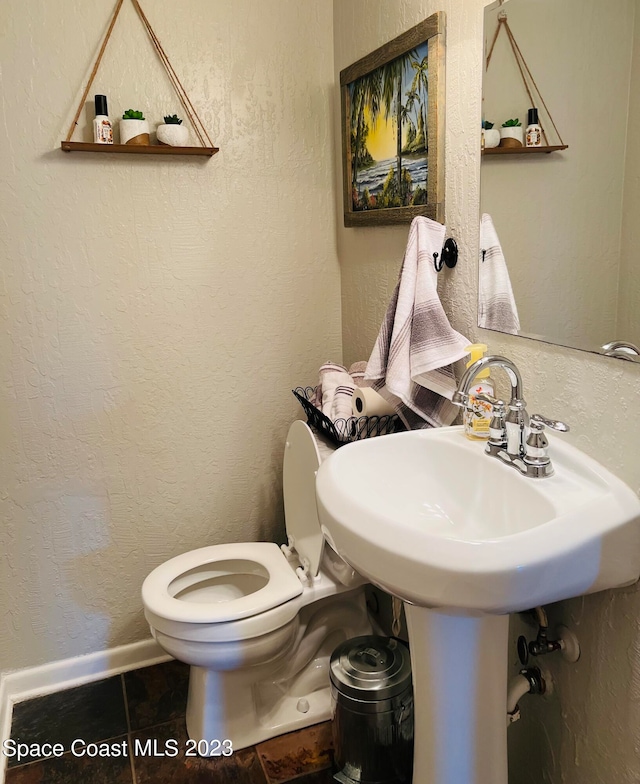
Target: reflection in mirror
[560, 240]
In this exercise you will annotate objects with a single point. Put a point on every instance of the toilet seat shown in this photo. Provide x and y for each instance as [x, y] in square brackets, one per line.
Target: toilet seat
[221, 583]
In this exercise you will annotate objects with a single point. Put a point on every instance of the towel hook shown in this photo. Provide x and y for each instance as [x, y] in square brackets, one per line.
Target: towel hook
[448, 257]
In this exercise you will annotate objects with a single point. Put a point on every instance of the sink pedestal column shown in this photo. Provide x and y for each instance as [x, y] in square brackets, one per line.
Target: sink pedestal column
[459, 665]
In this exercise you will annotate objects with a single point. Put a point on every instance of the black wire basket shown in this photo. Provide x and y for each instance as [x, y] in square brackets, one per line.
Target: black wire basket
[344, 431]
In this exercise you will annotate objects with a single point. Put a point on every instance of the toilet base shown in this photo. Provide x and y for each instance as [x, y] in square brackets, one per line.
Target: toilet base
[251, 705]
[220, 708]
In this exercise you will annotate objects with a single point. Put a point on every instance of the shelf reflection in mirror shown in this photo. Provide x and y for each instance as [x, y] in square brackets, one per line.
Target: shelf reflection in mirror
[566, 223]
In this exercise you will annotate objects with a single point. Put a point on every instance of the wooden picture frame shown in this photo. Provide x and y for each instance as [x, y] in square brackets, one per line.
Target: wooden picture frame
[401, 83]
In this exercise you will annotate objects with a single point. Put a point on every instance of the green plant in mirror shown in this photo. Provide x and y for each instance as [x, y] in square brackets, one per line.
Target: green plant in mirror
[511, 123]
[172, 119]
[487, 125]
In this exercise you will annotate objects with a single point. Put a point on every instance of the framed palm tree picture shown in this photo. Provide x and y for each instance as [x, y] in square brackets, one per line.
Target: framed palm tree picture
[393, 129]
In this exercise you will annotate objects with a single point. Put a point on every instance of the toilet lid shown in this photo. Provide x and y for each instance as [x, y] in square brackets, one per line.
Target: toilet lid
[301, 462]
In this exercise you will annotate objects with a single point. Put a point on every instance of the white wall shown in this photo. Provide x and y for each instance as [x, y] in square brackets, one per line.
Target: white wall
[628, 326]
[156, 311]
[589, 732]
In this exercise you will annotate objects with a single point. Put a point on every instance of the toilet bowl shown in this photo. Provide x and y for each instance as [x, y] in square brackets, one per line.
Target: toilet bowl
[256, 622]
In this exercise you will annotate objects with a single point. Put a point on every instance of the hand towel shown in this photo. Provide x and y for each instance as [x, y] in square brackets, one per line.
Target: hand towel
[410, 365]
[496, 303]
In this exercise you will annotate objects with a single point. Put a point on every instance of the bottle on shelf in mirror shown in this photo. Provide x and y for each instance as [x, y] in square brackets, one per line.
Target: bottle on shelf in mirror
[534, 131]
[102, 130]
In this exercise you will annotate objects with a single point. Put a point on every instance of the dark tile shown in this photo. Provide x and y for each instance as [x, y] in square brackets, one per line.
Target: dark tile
[242, 767]
[319, 777]
[297, 753]
[92, 712]
[70, 769]
[157, 694]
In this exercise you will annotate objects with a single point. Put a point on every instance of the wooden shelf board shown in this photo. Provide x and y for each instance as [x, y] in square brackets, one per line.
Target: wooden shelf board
[522, 150]
[140, 149]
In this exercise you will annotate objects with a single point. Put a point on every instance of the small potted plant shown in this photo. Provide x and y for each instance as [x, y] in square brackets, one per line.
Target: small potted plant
[512, 134]
[173, 132]
[491, 135]
[134, 129]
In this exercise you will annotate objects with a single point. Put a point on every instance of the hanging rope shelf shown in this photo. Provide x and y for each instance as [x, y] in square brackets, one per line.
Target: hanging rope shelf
[206, 145]
[532, 90]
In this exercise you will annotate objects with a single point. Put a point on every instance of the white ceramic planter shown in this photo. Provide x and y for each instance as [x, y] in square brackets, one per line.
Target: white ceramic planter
[134, 132]
[491, 137]
[173, 135]
[511, 137]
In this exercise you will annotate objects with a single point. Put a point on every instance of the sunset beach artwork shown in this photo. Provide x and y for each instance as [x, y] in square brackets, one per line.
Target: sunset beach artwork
[388, 128]
[389, 145]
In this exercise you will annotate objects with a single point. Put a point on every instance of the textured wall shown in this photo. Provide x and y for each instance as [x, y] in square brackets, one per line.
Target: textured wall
[588, 732]
[156, 311]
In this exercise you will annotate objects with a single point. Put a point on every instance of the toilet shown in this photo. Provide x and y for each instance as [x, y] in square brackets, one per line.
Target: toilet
[257, 623]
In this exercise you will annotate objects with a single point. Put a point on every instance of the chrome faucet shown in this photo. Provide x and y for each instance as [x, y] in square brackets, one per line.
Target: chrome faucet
[513, 437]
[622, 349]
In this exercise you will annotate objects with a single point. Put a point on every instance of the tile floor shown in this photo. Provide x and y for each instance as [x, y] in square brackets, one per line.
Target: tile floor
[140, 710]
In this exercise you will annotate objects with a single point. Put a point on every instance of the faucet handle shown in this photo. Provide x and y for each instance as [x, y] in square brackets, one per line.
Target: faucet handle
[537, 423]
[497, 428]
[536, 458]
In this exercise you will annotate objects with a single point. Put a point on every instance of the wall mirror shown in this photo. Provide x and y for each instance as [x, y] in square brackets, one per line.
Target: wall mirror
[563, 232]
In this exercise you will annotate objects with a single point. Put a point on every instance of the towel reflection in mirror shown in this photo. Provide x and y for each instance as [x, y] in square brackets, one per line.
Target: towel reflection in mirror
[496, 304]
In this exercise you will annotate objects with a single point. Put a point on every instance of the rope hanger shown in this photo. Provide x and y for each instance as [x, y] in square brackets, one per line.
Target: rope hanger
[522, 67]
[194, 119]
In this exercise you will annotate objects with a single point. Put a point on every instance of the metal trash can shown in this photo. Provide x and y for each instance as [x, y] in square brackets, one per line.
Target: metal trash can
[373, 711]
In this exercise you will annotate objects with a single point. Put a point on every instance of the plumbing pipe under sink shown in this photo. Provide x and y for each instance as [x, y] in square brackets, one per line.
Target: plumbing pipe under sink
[529, 681]
[518, 687]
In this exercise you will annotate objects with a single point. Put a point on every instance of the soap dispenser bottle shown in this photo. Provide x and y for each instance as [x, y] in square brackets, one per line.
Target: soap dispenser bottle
[477, 413]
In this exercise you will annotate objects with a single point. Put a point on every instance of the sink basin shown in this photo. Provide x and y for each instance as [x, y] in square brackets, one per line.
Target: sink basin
[430, 518]
[464, 539]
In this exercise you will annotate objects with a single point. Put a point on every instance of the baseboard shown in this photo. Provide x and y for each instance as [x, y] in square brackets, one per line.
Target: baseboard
[6, 708]
[19, 685]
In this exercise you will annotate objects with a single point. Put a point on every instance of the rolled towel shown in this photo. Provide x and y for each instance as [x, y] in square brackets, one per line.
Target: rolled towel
[337, 390]
[357, 371]
[336, 386]
[342, 405]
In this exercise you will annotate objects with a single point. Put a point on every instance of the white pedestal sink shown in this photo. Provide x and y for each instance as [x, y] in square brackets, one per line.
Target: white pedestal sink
[465, 540]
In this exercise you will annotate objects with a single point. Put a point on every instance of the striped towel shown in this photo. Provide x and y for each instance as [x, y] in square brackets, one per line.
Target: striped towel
[335, 389]
[496, 303]
[357, 371]
[410, 365]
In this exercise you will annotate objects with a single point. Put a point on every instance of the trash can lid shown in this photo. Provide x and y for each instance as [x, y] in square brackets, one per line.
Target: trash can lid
[370, 668]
